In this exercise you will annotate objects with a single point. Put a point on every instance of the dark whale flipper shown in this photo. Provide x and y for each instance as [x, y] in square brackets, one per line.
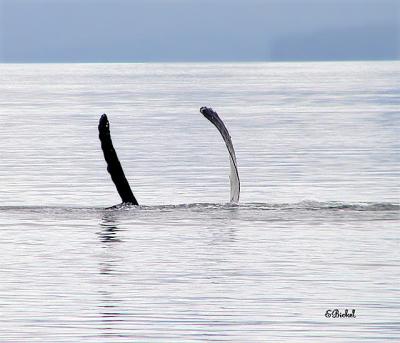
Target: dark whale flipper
[113, 164]
[213, 117]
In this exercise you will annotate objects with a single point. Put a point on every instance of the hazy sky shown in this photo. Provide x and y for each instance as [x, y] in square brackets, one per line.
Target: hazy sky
[198, 30]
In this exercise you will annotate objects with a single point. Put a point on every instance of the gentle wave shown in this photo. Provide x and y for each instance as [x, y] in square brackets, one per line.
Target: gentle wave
[303, 205]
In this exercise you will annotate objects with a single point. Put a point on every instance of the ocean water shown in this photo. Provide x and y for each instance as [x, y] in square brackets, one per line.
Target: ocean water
[317, 227]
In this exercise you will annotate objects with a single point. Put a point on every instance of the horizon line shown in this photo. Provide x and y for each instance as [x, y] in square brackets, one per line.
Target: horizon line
[203, 61]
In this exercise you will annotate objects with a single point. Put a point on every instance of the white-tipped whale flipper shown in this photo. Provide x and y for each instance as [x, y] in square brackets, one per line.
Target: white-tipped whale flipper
[113, 165]
[213, 117]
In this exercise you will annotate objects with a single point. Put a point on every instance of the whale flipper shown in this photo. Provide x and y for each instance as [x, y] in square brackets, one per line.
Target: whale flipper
[213, 117]
[113, 165]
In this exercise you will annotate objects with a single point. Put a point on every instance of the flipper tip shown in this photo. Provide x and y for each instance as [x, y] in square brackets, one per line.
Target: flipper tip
[208, 112]
[204, 110]
[103, 122]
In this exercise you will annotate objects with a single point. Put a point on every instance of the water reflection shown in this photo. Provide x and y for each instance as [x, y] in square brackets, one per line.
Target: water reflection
[222, 235]
[110, 314]
[109, 229]
[109, 303]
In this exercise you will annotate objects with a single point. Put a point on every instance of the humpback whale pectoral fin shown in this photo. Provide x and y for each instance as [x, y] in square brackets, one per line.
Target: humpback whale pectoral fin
[113, 165]
[213, 117]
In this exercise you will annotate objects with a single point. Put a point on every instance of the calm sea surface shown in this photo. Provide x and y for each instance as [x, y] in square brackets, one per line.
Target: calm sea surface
[317, 228]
